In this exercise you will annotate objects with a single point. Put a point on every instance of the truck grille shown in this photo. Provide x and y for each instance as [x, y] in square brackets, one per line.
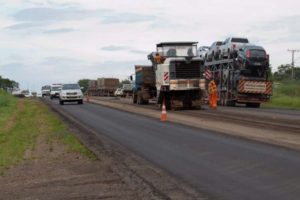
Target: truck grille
[185, 70]
[71, 93]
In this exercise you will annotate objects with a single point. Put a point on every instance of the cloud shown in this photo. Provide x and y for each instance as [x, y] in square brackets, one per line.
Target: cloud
[106, 16]
[139, 52]
[115, 48]
[285, 29]
[127, 18]
[39, 14]
[123, 48]
[61, 61]
[26, 25]
[61, 30]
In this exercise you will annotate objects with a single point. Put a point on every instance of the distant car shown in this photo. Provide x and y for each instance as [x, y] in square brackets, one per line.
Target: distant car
[252, 56]
[55, 90]
[201, 52]
[231, 45]
[17, 93]
[70, 93]
[46, 89]
[213, 52]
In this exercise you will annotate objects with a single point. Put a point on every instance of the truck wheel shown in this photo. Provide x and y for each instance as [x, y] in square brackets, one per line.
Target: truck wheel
[134, 98]
[80, 102]
[61, 102]
[139, 98]
[230, 103]
[253, 105]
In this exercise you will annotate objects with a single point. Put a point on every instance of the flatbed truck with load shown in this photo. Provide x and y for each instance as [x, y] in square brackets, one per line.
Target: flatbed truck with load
[102, 87]
[177, 77]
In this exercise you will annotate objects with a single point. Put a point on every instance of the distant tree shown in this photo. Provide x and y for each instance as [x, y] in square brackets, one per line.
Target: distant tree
[284, 73]
[6, 83]
[84, 83]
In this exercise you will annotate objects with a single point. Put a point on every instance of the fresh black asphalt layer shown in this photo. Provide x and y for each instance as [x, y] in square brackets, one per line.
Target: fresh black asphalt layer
[222, 166]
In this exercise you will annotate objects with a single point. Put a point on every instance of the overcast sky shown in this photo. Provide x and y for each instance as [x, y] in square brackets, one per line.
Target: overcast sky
[58, 41]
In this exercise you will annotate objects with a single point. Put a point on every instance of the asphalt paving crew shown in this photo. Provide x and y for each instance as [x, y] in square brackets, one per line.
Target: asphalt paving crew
[213, 93]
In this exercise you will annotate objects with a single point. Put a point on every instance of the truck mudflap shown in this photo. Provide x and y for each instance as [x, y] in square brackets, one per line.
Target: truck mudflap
[255, 87]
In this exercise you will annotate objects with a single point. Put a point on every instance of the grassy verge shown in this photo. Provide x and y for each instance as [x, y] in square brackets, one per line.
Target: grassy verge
[285, 95]
[7, 106]
[22, 121]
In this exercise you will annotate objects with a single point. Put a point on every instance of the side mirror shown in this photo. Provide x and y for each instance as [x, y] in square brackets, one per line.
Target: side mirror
[82, 88]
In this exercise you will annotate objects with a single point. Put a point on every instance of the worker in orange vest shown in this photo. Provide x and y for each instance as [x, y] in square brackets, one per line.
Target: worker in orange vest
[213, 94]
[158, 58]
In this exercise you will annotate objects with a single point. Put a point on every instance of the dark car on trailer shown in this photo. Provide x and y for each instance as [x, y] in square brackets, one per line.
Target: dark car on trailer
[252, 56]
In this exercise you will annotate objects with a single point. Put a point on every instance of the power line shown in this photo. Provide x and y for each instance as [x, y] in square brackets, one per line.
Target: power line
[293, 61]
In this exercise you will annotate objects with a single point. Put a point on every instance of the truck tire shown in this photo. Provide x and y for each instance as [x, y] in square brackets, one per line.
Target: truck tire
[80, 102]
[230, 103]
[134, 98]
[61, 102]
[140, 100]
[253, 105]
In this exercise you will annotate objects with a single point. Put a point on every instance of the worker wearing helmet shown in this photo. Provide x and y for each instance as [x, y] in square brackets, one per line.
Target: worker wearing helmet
[212, 90]
[158, 58]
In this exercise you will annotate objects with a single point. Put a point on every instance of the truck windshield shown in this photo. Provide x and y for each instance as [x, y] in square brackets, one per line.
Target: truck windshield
[46, 87]
[70, 87]
[55, 88]
[178, 51]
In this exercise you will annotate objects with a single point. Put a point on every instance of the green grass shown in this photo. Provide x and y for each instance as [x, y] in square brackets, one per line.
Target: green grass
[7, 106]
[286, 95]
[59, 132]
[22, 121]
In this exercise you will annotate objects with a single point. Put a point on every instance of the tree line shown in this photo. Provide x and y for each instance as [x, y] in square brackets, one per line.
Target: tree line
[285, 73]
[6, 83]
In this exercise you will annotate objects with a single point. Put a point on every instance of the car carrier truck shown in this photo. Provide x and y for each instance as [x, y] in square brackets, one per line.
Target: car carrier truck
[239, 84]
[177, 78]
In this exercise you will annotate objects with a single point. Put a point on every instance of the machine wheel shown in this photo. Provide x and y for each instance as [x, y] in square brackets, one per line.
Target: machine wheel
[134, 98]
[230, 103]
[139, 98]
[253, 105]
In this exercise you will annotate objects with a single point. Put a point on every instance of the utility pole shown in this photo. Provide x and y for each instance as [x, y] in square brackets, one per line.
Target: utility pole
[293, 62]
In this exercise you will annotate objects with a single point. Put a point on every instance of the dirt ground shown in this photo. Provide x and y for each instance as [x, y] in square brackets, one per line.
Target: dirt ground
[50, 172]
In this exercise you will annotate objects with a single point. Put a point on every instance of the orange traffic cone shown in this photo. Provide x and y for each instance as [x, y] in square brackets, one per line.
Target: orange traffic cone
[163, 116]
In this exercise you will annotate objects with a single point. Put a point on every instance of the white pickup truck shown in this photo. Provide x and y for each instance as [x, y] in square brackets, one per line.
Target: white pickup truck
[70, 93]
[230, 47]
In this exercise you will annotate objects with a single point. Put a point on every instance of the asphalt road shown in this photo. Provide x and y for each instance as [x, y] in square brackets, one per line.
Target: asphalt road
[223, 167]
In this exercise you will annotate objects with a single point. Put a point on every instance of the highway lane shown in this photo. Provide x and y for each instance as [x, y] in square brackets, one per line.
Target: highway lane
[222, 166]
